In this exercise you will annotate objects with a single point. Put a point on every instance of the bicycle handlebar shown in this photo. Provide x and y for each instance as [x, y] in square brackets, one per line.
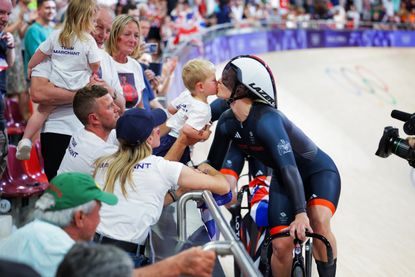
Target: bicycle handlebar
[308, 234]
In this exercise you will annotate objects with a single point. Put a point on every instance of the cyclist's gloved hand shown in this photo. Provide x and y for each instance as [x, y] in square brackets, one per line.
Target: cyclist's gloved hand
[220, 199]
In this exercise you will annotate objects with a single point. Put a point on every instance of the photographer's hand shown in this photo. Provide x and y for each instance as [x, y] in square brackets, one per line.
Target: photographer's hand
[411, 141]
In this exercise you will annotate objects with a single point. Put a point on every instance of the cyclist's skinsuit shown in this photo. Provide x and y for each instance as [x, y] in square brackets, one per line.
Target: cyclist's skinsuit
[235, 158]
[300, 168]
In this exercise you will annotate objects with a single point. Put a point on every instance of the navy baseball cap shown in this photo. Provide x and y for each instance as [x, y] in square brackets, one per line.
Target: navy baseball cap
[136, 125]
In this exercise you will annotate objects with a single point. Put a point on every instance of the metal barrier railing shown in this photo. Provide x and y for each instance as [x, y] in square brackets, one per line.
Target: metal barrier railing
[231, 245]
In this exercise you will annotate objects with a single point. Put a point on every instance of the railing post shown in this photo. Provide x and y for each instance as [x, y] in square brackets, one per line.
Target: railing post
[231, 245]
[181, 212]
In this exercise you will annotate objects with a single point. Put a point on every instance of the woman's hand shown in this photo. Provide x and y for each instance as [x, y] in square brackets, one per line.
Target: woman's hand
[149, 74]
[187, 140]
[300, 224]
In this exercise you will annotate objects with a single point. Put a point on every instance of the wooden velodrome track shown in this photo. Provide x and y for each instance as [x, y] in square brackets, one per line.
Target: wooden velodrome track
[342, 98]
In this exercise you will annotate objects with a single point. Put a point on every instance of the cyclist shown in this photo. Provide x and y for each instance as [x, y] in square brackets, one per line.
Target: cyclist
[305, 184]
[235, 158]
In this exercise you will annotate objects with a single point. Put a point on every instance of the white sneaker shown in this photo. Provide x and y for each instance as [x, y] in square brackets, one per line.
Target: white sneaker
[23, 149]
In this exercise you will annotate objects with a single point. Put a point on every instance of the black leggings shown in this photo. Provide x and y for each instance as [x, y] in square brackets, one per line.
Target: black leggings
[53, 149]
[321, 188]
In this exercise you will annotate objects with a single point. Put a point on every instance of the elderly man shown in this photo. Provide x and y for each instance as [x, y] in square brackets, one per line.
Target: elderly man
[62, 122]
[69, 212]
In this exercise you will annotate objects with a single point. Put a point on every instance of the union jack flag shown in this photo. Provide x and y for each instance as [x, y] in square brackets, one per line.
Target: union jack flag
[259, 190]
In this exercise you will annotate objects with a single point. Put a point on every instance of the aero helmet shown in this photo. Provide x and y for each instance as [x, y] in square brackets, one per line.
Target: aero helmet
[254, 74]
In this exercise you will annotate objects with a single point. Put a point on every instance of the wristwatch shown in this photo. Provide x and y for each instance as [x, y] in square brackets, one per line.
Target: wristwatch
[173, 195]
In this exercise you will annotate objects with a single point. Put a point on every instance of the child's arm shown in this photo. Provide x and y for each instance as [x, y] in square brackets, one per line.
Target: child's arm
[36, 59]
[196, 134]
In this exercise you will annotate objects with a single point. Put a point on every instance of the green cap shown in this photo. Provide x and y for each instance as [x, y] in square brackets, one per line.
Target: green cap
[73, 189]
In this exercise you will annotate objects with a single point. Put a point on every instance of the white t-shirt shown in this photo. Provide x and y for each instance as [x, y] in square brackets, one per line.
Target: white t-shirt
[109, 71]
[62, 120]
[38, 244]
[190, 111]
[131, 218]
[84, 148]
[70, 66]
[131, 79]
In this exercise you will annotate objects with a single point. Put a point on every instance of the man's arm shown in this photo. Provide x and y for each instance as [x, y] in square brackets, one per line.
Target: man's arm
[118, 97]
[191, 262]
[44, 92]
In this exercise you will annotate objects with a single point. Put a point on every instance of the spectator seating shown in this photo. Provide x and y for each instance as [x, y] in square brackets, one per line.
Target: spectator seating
[34, 167]
[22, 178]
[15, 122]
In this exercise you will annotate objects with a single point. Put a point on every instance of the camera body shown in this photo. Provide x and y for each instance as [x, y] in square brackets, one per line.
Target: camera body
[391, 143]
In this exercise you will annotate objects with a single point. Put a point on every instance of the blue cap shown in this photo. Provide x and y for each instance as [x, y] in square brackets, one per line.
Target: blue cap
[136, 125]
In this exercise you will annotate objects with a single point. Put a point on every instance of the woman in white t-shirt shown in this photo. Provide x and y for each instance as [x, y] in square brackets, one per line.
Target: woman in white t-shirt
[122, 45]
[141, 180]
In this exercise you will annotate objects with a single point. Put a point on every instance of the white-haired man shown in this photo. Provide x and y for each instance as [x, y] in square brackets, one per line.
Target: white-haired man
[69, 212]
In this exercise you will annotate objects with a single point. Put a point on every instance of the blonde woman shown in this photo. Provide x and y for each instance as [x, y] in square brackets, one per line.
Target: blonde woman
[141, 180]
[75, 60]
[123, 45]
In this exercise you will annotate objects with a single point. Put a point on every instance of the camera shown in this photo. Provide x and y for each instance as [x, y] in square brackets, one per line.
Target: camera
[391, 143]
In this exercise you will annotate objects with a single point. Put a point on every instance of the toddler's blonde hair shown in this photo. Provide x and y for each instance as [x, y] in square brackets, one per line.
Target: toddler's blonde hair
[196, 70]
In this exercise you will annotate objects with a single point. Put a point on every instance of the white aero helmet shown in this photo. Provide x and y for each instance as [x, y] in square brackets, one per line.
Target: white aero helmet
[256, 76]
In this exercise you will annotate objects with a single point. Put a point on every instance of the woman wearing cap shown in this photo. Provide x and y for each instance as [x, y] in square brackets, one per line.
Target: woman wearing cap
[305, 186]
[141, 180]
